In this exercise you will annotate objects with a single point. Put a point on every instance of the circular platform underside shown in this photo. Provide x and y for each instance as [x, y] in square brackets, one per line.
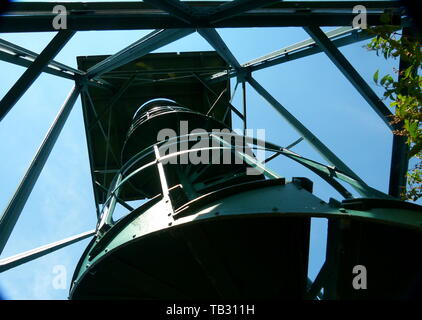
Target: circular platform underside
[235, 257]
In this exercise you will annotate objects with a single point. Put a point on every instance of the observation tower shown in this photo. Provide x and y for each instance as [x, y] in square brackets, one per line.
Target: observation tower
[204, 217]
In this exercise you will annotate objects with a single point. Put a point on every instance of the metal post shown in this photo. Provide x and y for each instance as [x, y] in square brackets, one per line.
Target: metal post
[400, 151]
[108, 208]
[162, 175]
[303, 131]
[34, 70]
[21, 258]
[244, 107]
[14, 208]
[399, 166]
[350, 73]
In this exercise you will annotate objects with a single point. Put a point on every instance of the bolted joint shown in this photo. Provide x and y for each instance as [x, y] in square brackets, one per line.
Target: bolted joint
[243, 74]
[81, 80]
[304, 183]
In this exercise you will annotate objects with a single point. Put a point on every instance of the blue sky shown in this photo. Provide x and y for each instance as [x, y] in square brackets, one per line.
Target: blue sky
[62, 204]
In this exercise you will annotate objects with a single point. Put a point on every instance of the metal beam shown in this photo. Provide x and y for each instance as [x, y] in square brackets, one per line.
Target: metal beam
[399, 166]
[309, 285]
[294, 143]
[206, 85]
[214, 39]
[244, 107]
[193, 15]
[90, 158]
[341, 37]
[13, 53]
[23, 62]
[154, 40]
[303, 131]
[216, 101]
[122, 202]
[46, 7]
[17, 60]
[338, 36]
[100, 125]
[315, 288]
[14, 208]
[187, 14]
[113, 101]
[34, 70]
[350, 73]
[37, 16]
[180, 10]
[24, 257]
[275, 155]
[236, 7]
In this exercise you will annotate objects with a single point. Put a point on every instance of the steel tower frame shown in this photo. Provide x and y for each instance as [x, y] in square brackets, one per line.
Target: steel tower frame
[174, 20]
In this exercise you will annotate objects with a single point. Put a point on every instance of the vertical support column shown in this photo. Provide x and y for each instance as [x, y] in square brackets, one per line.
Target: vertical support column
[333, 255]
[14, 208]
[399, 166]
[244, 107]
[106, 219]
[163, 180]
[400, 151]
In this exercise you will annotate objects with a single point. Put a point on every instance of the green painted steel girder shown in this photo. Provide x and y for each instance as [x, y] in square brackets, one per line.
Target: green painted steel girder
[37, 16]
[33, 71]
[16, 204]
[154, 40]
[351, 74]
[308, 135]
[24, 257]
[22, 57]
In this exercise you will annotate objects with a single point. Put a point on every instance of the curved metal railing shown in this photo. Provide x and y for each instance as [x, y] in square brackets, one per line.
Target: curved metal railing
[327, 173]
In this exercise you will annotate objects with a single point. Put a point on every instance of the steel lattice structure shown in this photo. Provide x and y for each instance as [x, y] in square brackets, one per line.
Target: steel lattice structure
[174, 20]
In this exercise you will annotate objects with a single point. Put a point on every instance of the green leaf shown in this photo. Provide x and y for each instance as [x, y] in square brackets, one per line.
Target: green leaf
[413, 129]
[387, 79]
[415, 150]
[376, 76]
[408, 72]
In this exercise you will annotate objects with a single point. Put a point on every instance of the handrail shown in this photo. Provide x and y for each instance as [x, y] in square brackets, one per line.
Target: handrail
[326, 172]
